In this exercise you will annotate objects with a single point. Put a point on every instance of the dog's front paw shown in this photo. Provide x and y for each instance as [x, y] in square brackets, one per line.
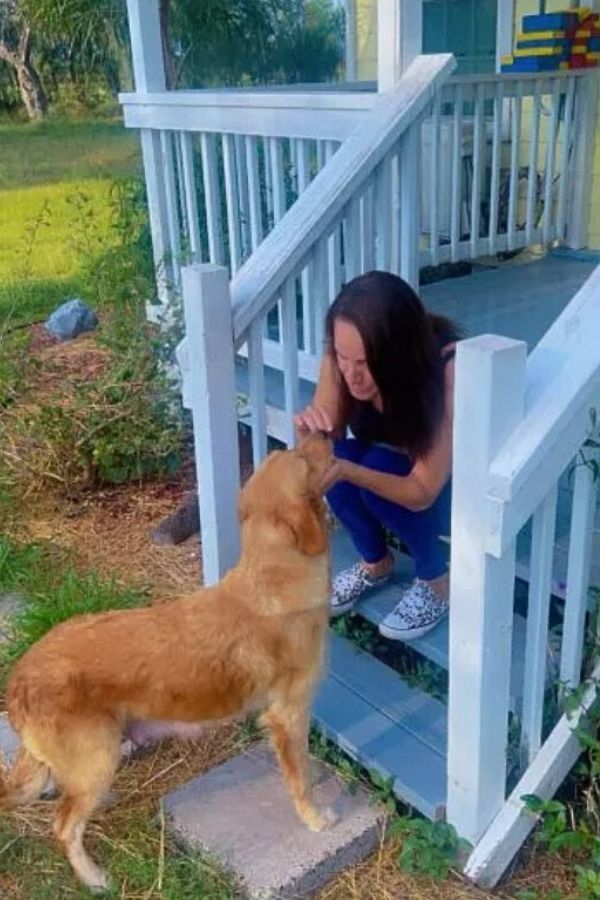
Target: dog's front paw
[321, 820]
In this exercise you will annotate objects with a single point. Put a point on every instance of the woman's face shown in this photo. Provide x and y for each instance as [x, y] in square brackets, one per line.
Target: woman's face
[352, 362]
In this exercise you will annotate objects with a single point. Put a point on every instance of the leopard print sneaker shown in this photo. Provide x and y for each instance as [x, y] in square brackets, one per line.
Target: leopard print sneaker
[351, 585]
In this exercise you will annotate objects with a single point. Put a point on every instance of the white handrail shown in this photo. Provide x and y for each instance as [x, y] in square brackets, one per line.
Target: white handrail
[563, 386]
[317, 209]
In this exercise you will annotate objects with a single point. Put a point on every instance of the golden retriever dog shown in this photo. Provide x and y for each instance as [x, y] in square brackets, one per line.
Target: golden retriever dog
[255, 641]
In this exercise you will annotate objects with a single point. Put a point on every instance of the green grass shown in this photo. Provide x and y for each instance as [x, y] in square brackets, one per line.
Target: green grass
[32, 864]
[55, 181]
[57, 151]
[52, 591]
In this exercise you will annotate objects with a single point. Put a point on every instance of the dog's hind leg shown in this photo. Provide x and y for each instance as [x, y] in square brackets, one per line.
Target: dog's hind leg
[85, 771]
[25, 781]
[288, 727]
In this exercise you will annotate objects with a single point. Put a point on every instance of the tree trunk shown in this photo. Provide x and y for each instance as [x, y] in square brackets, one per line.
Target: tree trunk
[164, 12]
[28, 80]
[32, 92]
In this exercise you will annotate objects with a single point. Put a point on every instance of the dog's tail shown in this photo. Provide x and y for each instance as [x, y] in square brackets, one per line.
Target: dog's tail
[24, 782]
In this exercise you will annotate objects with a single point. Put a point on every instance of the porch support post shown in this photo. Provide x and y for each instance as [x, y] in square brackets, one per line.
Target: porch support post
[489, 403]
[505, 29]
[149, 76]
[399, 38]
[209, 389]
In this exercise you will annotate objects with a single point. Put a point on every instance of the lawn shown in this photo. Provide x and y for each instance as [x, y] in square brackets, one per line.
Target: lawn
[55, 182]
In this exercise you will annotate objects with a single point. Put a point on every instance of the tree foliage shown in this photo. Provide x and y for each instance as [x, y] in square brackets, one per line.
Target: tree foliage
[206, 42]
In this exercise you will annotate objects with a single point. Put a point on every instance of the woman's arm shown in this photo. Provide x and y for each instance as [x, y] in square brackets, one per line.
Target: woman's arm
[420, 489]
[327, 410]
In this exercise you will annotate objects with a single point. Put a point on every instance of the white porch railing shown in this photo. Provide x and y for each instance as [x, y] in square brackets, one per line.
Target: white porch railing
[519, 423]
[332, 223]
[504, 158]
[506, 162]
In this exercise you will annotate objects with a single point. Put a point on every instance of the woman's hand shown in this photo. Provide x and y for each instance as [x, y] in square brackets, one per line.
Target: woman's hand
[311, 419]
[337, 471]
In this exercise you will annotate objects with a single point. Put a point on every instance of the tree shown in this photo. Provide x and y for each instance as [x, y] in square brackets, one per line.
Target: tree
[16, 44]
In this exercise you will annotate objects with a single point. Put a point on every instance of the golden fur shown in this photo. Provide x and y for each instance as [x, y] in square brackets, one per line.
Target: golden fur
[254, 641]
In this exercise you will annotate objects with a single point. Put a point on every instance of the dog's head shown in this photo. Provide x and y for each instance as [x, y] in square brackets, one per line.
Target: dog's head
[285, 493]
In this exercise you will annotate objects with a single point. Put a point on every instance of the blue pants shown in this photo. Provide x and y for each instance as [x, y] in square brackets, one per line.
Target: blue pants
[365, 514]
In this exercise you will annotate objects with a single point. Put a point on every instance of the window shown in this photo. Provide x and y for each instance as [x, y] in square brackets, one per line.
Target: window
[466, 28]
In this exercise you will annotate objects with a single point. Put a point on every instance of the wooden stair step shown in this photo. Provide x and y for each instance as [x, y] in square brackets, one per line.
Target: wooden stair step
[384, 724]
[433, 645]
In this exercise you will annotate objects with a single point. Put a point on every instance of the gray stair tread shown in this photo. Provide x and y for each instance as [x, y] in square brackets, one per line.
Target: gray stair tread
[414, 710]
[379, 734]
[434, 645]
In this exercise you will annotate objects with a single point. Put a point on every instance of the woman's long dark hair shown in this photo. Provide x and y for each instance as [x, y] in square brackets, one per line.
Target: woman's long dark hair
[402, 346]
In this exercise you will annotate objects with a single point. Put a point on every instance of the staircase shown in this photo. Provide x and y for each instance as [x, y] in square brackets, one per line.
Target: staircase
[519, 423]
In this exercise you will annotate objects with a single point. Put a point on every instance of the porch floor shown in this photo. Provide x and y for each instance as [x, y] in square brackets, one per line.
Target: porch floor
[518, 299]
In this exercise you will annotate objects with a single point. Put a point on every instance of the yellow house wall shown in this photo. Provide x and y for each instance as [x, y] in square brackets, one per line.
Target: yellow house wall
[522, 7]
[366, 39]
[366, 13]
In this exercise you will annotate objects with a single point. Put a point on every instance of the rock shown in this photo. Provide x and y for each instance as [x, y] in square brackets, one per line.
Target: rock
[10, 604]
[71, 319]
[181, 524]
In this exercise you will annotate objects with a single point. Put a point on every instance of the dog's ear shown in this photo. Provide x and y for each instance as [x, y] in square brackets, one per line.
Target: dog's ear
[306, 523]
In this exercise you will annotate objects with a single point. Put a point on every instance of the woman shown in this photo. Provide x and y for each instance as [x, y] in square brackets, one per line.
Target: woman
[388, 376]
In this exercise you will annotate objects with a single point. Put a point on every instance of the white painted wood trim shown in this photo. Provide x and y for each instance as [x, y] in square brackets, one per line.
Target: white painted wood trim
[507, 833]
[456, 192]
[399, 39]
[505, 30]
[434, 178]
[157, 211]
[256, 384]
[289, 340]
[212, 201]
[252, 169]
[146, 45]
[211, 387]
[515, 149]
[410, 204]
[278, 116]
[564, 174]
[563, 375]
[533, 162]
[578, 571]
[478, 167]
[536, 652]
[586, 107]
[383, 214]
[490, 389]
[232, 201]
[168, 166]
[495, 180]
[190, 196]
[320, 206]
[548, 218]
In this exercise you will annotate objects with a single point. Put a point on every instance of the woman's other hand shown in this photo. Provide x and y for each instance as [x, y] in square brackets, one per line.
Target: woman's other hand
[311, 419]
[337, 471]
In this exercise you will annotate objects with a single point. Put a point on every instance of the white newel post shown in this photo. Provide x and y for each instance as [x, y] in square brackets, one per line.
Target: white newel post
[209, 390]
[149, 76]
[489, 403]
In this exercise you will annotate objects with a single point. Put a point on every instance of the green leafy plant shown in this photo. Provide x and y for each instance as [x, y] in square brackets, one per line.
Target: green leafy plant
[383, 791]
[427, 848]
